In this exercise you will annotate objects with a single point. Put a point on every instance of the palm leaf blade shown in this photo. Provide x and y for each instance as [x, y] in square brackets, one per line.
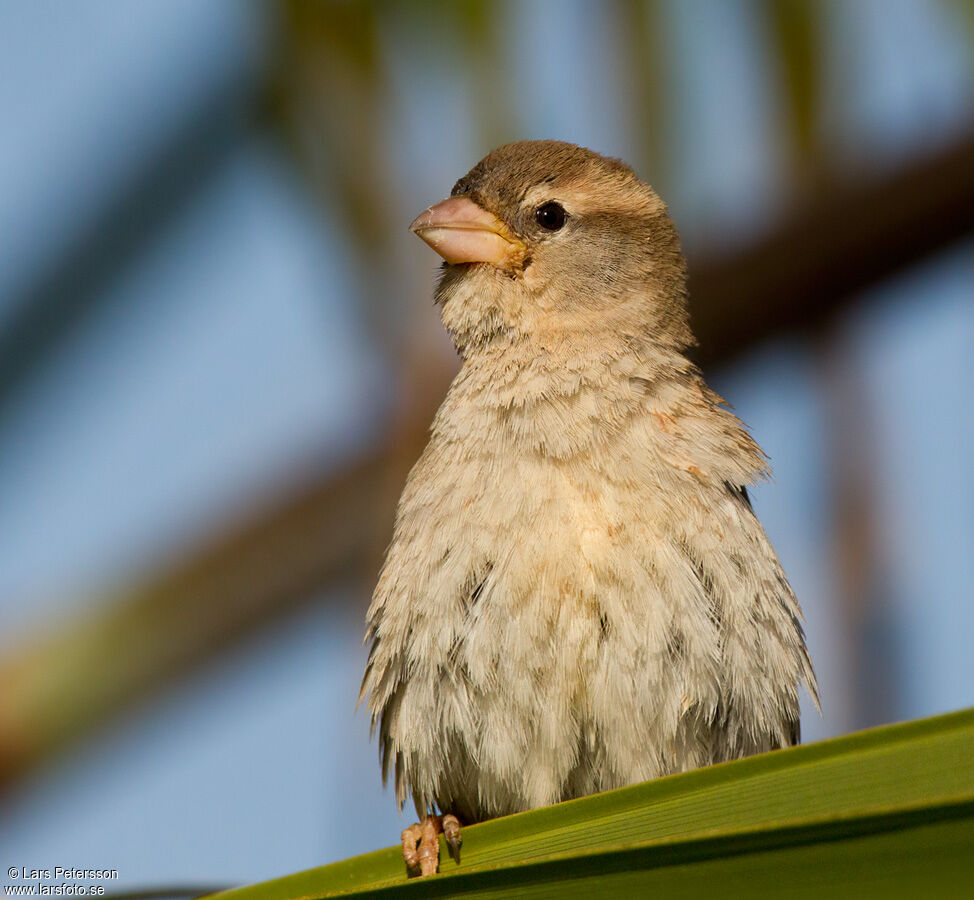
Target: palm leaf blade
[889, 810]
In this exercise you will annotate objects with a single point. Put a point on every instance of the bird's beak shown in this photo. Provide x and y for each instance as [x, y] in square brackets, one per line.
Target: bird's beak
[462, 232]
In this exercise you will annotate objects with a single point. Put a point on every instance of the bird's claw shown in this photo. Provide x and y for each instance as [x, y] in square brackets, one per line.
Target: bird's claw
[421, 845]
[452, 836]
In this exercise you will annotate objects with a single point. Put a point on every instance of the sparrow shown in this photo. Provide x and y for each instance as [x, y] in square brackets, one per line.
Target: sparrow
[578, 594]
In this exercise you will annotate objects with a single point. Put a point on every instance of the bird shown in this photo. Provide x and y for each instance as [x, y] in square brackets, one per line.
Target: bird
[578, 595]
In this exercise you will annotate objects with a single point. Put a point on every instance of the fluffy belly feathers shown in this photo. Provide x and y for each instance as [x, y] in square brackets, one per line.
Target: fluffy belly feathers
[544, 656]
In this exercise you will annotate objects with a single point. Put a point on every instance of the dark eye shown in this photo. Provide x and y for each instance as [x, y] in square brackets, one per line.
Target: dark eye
[550, 216]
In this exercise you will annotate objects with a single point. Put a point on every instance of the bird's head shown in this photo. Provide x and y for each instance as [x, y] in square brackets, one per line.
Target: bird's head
[544, 238]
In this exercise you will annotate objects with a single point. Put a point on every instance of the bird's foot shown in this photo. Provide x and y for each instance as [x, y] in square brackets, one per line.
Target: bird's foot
[421, 843]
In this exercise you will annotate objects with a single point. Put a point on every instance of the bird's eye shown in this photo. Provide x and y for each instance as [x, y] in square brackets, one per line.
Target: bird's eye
[550, 216]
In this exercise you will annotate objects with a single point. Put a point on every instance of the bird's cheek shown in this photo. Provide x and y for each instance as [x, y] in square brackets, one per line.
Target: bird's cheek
[543, 276]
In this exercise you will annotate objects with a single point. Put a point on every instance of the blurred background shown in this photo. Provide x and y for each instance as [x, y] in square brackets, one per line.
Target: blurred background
[219, 357]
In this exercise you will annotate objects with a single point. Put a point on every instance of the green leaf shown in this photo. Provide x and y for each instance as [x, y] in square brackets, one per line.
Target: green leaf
[888, 811]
